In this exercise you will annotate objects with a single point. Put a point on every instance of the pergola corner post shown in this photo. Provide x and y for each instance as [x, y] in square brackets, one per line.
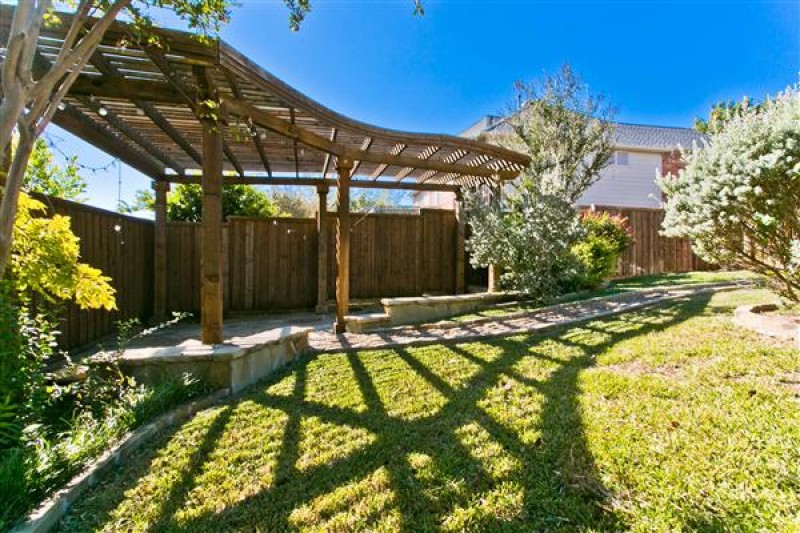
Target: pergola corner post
[161, 187]
[344, 168]
[211, 249]
[461, 231]
[322, 249]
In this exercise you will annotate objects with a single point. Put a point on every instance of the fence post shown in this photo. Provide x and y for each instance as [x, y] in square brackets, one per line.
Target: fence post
[161, 188]
[322, 249]
[461, 272]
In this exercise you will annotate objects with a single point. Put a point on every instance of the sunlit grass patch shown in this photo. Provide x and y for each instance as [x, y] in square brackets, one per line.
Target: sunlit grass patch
[322, 442]
[665, 419]
[366, 504]
[399, 390]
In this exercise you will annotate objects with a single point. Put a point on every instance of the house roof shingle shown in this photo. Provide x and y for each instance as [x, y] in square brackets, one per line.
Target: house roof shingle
[642, 136]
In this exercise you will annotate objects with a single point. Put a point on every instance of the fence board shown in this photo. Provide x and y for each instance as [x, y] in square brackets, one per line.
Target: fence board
[126, 256]
[271, 264]
[652, 253]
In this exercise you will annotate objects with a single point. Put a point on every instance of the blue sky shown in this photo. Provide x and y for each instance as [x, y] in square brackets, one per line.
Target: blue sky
[661, 62]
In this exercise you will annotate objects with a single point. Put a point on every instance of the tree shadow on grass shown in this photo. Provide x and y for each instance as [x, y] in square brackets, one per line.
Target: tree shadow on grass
[529, 471]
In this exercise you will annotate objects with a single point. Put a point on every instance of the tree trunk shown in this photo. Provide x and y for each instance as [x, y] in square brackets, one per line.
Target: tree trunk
[13, 185]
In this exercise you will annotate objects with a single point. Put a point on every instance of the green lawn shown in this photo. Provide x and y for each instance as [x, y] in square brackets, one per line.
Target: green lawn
[617, 287]
[662, 420]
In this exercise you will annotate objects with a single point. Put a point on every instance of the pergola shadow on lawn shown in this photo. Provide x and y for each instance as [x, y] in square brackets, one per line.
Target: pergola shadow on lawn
[547, 477]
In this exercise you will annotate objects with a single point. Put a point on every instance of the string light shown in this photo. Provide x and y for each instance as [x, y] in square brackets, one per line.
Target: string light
[52, 143]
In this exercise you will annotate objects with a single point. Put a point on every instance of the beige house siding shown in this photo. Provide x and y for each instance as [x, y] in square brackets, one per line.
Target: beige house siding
[631, 185]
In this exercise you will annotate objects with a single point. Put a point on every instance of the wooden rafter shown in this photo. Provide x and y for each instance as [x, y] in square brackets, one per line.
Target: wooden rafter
[128, 89]
[262, 154]
[110, 72]
[424, 156]
[160, 84]
[160, 60]
[76, 122]
[398, 149]
[119, 124]
[364, 147]
[293, 131]
[205, 85]
[327, 164]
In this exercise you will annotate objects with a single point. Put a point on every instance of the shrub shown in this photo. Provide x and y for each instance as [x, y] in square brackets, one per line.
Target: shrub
[48, 457]
[737, 196]
[531, 242]
[606, 237]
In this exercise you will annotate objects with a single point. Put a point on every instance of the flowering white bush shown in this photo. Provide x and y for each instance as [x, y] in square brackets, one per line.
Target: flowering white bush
[738, 197]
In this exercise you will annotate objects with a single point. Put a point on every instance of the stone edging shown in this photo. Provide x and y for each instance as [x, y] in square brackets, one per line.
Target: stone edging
[450, 324]
[52, 510]
[662, 296]
[753, 318]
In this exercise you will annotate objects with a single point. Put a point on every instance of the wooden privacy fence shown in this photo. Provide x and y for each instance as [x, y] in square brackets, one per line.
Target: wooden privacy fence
[122, 247]
[272, 263]
[651, 253]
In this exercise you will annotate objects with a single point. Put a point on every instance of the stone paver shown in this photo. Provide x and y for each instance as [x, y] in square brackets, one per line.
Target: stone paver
[321, 341]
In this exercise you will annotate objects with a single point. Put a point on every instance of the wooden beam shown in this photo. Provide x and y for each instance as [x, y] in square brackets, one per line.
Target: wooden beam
[125, 89]
[322, 249]
[364, 147]
[292, 131]
[343, 167]
[109, 71]
[315, 182]
[206, 85]
[160, 252]
[327, 164]
[424, 156]
[397, 150]
[76, 122]
[211, 290]
[160, 60]
[131, 133]
[294, 146]
[262, 154]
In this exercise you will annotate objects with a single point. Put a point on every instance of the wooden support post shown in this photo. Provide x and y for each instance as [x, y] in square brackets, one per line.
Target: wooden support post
[494, 270]
[160, 252]
[343, 167]
[461, 231]
[211, 291]
[322, 249]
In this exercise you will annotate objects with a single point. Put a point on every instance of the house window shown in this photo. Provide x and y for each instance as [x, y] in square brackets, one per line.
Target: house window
[620, 158]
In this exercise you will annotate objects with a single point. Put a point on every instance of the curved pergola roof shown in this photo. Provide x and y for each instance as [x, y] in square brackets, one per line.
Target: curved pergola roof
[140, 103]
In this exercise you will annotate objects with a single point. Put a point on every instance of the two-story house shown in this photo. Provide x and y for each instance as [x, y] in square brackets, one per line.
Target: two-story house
[629, 181]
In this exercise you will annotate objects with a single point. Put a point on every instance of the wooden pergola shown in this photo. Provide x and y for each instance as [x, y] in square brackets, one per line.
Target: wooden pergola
[184, 111]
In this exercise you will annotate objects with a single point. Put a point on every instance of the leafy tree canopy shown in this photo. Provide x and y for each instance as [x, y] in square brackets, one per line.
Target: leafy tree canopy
[45, 259]
[529, 228]
[725, 111]
[46, 177]
[185, 203]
